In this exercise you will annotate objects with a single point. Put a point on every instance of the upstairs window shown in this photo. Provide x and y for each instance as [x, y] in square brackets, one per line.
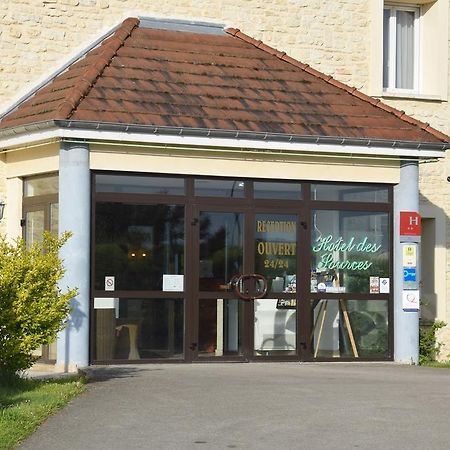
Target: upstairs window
[400, 48]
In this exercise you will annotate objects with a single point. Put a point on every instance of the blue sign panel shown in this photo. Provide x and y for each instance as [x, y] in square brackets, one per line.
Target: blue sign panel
[409, 274]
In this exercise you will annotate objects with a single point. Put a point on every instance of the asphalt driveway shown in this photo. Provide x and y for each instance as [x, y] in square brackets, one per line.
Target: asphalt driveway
[255, 406]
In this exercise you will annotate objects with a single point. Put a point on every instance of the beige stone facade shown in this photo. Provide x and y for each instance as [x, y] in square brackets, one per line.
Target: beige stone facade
[341, 38]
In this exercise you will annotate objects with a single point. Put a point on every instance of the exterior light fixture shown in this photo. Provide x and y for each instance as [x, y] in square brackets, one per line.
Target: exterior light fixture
[2, 208]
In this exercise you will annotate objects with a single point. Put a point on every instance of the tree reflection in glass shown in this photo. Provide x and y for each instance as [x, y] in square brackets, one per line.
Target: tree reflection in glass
[221, 249]
[138, 244]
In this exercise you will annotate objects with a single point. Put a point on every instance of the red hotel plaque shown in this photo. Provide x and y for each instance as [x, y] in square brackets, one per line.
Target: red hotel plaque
[410, 223]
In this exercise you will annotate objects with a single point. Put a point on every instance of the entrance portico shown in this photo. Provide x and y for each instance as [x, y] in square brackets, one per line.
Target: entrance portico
[186, 205]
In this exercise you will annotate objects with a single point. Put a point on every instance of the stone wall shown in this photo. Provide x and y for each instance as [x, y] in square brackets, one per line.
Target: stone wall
[37, 35]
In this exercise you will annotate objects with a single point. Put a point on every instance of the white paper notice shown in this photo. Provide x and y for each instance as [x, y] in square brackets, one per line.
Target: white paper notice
[174, 283]
[384, 285]
[107, 303]
[410, 300]
[110, 283]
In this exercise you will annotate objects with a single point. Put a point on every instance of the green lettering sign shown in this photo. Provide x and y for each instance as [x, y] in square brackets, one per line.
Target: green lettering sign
[331, 246]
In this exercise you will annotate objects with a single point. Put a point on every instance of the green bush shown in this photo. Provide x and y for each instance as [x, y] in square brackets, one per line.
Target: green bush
[428, 345]
[32, 307]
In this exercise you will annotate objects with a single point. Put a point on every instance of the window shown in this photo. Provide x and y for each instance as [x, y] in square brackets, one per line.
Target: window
[350, 277]
[138, 244]
[350, 193]
[130, 184]
[409, 49]
[400, 48]
[40, 213]
[350, 249]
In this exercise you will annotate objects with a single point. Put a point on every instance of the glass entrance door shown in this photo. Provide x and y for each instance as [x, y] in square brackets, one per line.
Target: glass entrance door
[239, 253]
[218, 312]
[275, 315]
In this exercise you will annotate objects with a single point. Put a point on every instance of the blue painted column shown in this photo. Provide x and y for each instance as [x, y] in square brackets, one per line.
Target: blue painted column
[74, 216]
[406, 323]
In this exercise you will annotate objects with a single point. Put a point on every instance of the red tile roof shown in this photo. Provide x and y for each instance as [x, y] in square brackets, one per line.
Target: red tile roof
[227, 81]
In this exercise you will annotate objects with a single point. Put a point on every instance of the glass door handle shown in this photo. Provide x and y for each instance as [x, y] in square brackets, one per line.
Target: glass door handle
[193, 346]
[242, 291]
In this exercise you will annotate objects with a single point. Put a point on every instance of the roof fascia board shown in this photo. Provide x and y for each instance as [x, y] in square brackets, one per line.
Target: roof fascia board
[40, 84]
[48, 133]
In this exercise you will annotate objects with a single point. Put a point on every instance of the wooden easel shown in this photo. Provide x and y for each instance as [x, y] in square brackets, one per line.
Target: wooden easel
[323, 310]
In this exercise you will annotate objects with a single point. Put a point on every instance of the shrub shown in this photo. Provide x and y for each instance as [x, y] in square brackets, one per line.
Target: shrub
[428, 345]
[32, 307]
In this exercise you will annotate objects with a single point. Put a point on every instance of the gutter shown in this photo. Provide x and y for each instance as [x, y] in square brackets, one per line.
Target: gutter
[150, 134]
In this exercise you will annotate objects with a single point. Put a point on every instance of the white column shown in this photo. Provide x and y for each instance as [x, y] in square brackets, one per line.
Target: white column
[406, 323]
[74, 216]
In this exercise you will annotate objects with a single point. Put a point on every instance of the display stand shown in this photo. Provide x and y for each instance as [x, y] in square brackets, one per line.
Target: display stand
[132, 337]
[322, 314]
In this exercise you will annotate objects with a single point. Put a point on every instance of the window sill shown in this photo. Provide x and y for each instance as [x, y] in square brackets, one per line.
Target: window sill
[412, 96]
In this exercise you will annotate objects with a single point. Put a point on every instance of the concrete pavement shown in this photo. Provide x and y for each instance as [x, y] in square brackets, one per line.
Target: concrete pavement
[255, 406]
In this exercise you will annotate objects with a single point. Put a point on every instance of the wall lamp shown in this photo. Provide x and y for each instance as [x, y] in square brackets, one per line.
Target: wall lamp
[2, 208]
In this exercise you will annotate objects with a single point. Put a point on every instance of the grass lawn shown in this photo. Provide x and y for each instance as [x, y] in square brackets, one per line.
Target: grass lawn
[444, 364]
[25, 404]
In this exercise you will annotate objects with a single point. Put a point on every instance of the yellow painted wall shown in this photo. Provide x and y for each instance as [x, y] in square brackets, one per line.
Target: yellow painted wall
[191, 162]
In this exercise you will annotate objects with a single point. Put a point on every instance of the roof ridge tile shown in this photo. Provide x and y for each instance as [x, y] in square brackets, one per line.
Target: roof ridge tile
[94, 71]
[294, 62]
[329, 79]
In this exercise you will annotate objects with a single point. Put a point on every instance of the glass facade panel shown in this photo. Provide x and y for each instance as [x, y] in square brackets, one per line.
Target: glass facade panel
[34, 226]
[350, 193]
[350, 328]
[41, 186]
[219, 188]
[54, 218]
[139, 184]
[134, 329]
[219, 327]
[52, 351]
[281, 191]
[276, 250]
[221, 249]
[275, 327]
[144, 243]
[40, 210]
[138, 244]
[350, 251]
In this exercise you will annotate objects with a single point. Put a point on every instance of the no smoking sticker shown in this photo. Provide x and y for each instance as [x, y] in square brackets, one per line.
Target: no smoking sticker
[110, 283]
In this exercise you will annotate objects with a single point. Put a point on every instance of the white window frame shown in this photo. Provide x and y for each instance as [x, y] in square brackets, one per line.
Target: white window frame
[390, 88]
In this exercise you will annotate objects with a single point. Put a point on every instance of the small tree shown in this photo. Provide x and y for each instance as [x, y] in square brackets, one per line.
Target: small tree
[32, 307]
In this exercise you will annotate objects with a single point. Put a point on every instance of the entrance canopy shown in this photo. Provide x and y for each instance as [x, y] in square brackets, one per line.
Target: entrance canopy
[226, 200]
